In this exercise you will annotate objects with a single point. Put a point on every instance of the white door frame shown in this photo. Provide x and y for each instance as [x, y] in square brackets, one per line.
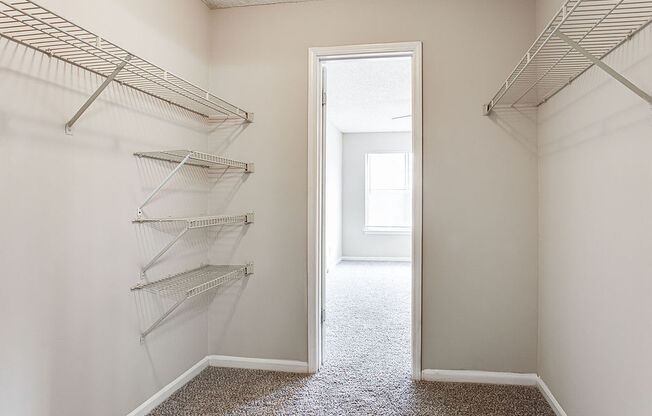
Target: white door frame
[316, 186]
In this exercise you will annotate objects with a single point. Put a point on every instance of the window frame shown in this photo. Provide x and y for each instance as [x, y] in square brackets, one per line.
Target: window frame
[387, 229]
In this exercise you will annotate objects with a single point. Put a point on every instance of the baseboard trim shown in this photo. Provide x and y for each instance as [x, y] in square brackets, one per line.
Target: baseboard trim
[167, 391]
[289, 366]
[217, 361]
[559, 411]
[458, 376]
[354, 258]
[482, 377]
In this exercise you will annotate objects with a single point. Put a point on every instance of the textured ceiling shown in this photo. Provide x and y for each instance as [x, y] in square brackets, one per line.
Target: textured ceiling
[222, 4]
[370, 95]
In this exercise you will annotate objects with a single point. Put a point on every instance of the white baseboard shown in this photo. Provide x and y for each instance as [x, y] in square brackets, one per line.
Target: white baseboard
[550, 398]
[167, 391]
[218, 361]
[458, 376]
[483, 377]
[290, 366]
[354, 258]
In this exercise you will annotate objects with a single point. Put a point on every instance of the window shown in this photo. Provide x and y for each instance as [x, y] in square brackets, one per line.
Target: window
[388, 193]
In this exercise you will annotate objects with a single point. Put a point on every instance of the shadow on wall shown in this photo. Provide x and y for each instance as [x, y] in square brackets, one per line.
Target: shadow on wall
[191, 251]
[619, 122]
[189, 182]
[151, 306]
[55, 76]
[222, 312]
[104, 120]
[79, 193]
[224, 133]
[519, 123]
[225, 187]
[620, 110]
[594, 86]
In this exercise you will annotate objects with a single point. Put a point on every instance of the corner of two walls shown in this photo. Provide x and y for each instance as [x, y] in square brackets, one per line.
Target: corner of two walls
[69, 251]
[595, 142]
[263, 315]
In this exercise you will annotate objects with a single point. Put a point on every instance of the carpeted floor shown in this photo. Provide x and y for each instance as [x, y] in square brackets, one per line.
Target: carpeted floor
[367, 366]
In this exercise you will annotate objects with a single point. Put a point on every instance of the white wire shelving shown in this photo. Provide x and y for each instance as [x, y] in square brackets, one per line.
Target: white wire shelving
[34, 26]
[183, 286]
[581, 34]
[189, 157]
[192, 223]
[196, 158]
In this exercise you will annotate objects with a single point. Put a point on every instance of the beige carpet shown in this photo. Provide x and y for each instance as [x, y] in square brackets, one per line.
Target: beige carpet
[367, 366]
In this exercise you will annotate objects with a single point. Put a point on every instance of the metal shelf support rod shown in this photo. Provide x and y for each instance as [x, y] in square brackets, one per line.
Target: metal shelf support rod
[96, 94]
[164, 249]
[161, 318]
[162, 184]
[606, 68]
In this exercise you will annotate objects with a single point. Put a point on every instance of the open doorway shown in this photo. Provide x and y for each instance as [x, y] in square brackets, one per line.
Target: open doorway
[365, 156]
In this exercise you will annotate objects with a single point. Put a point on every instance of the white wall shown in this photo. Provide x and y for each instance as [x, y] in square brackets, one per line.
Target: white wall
[595, 141]
[480, 181]
[68, 250]
[333, 194]
[357, 243]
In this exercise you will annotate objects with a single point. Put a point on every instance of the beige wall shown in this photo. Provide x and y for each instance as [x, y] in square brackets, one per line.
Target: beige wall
[480, 180]
[68, 251]
[595, 141]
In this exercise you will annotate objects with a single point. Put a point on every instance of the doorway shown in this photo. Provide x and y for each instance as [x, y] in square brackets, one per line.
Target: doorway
[380, 222]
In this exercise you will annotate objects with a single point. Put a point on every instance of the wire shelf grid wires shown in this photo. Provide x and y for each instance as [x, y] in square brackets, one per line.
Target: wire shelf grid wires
[186, 285]
[195, 158]
[598, 26]
[195, 282]
[193, 223]
[205, 221]
[34, 26]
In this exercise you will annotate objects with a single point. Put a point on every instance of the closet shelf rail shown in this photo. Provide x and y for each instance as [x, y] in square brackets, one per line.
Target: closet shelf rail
[581, 34]
[193, 223]
[189, 157]
[34, 26]
[186, 285]
[195, 158]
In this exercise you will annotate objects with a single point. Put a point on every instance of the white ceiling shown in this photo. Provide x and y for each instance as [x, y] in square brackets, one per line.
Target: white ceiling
[223, 4]
[365, 95]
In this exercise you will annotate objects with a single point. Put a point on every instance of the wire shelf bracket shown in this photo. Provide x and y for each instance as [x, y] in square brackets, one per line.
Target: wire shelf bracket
[606, 68]
[579, 36]
[189, 157]
[33, 26]
[192, 223]
[186, 285]
[84, 107]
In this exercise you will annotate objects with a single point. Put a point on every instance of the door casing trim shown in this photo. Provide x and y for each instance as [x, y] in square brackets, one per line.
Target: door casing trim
[316, 181]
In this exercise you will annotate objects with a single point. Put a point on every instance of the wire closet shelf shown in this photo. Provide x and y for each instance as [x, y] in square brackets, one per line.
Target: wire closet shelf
[186, 285]
[195, 158]
[192, 223]
[195, 282]
[29, 24]
[189, 157]
[580, 35]
[203, 221]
